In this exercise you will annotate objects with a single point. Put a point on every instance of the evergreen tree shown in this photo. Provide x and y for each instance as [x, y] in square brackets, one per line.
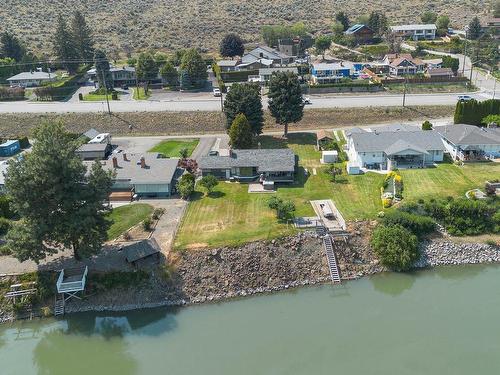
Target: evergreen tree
[102, 70]
[245, 98]
[231, 46]
[11, 47]
[240, 133]
[285, 99]
[60, 204]
[169, 74]
[378, 23]
[426, 125]
[192, 63]
[322, 43]
[82, 36]
[475, 29]
[442, 24]
[428, 17]
[343, 19]
[451, 62]
[64, 46]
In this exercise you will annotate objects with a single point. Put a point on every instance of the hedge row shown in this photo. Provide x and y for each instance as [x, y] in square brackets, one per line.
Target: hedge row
[473, 112]
[11, 93]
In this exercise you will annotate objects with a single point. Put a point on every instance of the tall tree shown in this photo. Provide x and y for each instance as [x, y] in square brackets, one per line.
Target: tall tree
[285, 99]
[442, 24]
[343, 18]
[146, 68]
[82, 36]
[240, 133]
[475, 29]
[378, 23]
[169, 74]
[231, 46]
[192, 63]
[11, 47]
[322, 43]
[245, 98]
[64, 46]
[451, 62]
[60, 204]
[102, 70]
[428, 17]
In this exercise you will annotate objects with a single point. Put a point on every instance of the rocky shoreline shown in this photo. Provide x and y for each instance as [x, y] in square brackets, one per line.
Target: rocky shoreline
[213, 275]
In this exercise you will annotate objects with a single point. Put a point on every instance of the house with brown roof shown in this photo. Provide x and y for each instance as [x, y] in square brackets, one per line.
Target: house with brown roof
[401, 64]
[439, 72]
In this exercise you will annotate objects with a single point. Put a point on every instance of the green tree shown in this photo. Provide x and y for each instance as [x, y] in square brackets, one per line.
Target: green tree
[245, 98]
[322, 43]
[442, 24]
[208, 183]
[395, 246]
[378, 23]
[64, 46]
[428, 17]
[11, 47]
[184, 153]
[240, 133]
[102, 71]
[285, 99]
[475, 29]
[231, 46]
[193, 64]
[284, 209]
[169, 74]
[451, 62]
[343, 18]
[334, 171]
[491, 120]
[337, 28]
[82, 36]
[161, 58]
[146, 68]
[185, 186]
[60, 204]
[426, 125]
[496, 9]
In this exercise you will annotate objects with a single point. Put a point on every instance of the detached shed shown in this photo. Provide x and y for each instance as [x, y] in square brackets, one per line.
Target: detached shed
[329, 157]
[142, 250]
[324, 137]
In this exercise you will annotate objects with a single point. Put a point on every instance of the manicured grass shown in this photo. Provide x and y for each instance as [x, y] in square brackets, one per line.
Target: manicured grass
[231, 216]
[97, 97]
[139, 93]
[125, 217]
[171, 148]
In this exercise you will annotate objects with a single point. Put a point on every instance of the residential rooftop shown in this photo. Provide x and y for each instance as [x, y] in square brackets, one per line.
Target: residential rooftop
[393, 142]
[266, 160]
[411, 27]
[32, 75]
[461, 134]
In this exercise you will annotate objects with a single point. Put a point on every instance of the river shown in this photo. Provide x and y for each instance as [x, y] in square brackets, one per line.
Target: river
[442, 321]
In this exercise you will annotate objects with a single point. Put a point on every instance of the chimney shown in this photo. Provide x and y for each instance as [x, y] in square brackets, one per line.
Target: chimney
[125, 156]
[115, 162]
[143, 162]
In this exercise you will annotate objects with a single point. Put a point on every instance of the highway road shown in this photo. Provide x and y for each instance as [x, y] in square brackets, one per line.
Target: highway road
[209, 104]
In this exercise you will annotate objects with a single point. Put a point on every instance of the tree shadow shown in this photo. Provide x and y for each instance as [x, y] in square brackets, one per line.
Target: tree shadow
[216, 194]
[392, 283]
[196, 196]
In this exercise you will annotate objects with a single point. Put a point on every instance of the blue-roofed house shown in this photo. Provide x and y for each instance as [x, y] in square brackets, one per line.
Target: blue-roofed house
[361, 33]
[329, 72]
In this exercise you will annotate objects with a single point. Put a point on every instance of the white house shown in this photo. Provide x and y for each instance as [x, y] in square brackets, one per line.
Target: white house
[266, 73]
[469, 142]
[267, 53]
[31, 79]
[416, 31]
[381, 150]
[123, 76]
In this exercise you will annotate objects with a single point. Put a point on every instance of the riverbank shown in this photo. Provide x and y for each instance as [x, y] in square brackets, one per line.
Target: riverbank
[211, 275]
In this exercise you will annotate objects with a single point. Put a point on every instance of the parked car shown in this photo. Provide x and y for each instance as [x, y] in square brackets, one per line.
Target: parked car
[217, 92]
[464, 98]
[307, 100]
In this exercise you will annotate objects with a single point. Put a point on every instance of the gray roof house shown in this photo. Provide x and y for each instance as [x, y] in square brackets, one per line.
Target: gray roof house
[31, 79]
[265, 52]
[397, 149]
[277, 165]
[147, 175]
[469, 142]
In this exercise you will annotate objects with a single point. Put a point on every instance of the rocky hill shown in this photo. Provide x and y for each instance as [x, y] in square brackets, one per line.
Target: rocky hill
[122, 25]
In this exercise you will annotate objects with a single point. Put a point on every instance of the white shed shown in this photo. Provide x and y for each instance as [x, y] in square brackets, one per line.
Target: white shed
[329, 157]
[353, 168]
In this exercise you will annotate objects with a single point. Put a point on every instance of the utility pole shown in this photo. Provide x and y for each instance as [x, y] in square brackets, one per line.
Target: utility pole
[106, 91]
[465, 54]
[494, 87]
[404, 92]
[221, 102]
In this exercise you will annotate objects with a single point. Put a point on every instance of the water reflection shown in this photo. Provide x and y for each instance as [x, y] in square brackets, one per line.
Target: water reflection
[393, 284]
[461, 272]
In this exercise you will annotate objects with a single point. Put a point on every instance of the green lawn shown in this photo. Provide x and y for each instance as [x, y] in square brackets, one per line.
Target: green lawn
[172, 147]
[97, 97]
[125, 217]
[231, 216]
[139, 93]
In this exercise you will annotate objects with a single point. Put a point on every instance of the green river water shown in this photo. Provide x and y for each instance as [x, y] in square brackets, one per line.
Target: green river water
[445, 321]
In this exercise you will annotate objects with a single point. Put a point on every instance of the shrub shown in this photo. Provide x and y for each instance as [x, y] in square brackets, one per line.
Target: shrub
[157, 213]
[5, 225]
[469, 217]
[6, 209]
[396, 247]
[146, 224]
[185, 186]
[417, 224]
[208, 182]
[284, 209]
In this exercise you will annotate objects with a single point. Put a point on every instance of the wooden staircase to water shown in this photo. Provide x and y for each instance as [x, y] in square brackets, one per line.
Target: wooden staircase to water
[59, 306]
[332, 261]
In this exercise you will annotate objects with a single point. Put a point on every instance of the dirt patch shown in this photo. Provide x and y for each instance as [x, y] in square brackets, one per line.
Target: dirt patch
[176, 123]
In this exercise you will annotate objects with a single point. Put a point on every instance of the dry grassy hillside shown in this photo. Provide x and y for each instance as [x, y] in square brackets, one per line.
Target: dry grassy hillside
[139, 24]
